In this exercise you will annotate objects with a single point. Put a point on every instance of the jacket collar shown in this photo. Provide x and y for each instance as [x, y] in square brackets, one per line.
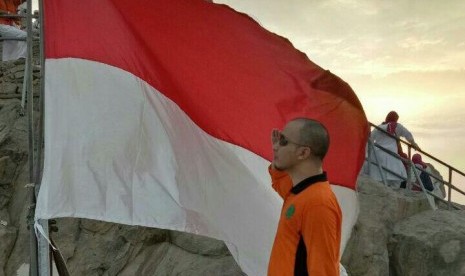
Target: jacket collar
[309, 181]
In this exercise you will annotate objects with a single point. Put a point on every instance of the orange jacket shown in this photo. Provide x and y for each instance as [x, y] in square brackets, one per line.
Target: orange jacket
[309, 231]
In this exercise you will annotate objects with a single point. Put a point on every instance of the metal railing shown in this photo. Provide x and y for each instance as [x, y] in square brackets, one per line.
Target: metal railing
[16, 16]
[40, 249]
[450, 168]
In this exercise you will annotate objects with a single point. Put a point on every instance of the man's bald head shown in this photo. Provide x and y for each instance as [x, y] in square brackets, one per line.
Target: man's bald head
[315, 135]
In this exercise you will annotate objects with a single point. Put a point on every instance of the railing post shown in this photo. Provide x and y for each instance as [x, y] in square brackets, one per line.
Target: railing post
[369, 158]
[450, 189]
[381, 171]
[408, 183]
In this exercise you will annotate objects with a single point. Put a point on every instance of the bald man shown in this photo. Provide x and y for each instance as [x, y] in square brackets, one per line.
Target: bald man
[308, 238]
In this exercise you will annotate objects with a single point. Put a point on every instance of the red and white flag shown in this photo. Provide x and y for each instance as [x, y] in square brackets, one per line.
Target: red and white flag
[159, 113]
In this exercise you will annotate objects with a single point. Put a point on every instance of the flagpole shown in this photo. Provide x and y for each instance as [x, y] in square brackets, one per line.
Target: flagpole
[41, 96]
[44, 256]
[33, 268]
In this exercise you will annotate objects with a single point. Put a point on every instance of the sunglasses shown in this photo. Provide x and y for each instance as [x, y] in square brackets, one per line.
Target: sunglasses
[284, 141]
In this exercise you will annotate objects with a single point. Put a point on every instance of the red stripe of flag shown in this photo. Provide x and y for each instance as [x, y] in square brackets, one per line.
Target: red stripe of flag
[233, 78]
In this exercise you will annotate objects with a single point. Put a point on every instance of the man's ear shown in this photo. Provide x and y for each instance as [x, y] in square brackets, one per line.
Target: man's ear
[304, 153]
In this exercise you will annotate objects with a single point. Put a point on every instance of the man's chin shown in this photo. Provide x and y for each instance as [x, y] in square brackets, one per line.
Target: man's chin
[278, 168]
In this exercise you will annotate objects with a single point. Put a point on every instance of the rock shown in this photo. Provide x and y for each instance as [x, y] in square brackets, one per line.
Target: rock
[5, 195]
[380, 208]
[105, 248]
[18, 68]
[7, 171]
[10, 78]
[19, 202]
[96, 226]
[9, 88]
[198, 244]
[429, 243]
[4, 132]
[450, 251]
[96, 254]
[93, 247]
[19, 138]
[4, 217]
[143, 235]
[67, 235]
[19, 75]
[7, 238]
[20, 61]
[13, 176]
[20, 252]
[9, 111]
[163, 259]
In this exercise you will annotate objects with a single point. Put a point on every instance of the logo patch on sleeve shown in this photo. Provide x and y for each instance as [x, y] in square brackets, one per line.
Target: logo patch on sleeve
[290, 211]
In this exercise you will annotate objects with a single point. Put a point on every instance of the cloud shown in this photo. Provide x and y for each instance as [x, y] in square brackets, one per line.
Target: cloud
[417, 43]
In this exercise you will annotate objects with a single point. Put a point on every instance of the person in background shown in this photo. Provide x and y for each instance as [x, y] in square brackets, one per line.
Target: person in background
[438, 185]
[386, 160]
[423, 172]
[10, 28]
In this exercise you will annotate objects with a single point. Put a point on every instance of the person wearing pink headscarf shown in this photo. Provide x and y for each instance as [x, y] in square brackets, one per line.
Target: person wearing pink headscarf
[389, 143]
[423, 172]
[391, 125]
[416, 159]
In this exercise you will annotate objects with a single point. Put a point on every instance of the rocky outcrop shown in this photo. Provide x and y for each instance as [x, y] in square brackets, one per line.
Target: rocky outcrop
[13, 160]
[380, 209]
[390, 228]
[99, 248]
[429, 243]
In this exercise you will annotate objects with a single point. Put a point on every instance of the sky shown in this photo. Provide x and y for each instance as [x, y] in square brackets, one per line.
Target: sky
[402, 55]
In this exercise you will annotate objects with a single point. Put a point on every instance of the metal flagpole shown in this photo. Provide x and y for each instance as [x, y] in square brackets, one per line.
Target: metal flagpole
[40, 253]
[44, 258]
[33, 269]
[41, 97]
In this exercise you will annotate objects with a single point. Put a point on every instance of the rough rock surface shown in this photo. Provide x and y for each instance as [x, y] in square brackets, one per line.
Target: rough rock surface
[13, 159]
[99, 248]
[429, 243]
[380, 208]
[390, 228]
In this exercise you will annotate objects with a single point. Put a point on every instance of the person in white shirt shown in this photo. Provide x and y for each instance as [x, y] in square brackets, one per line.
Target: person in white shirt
[386, 160]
